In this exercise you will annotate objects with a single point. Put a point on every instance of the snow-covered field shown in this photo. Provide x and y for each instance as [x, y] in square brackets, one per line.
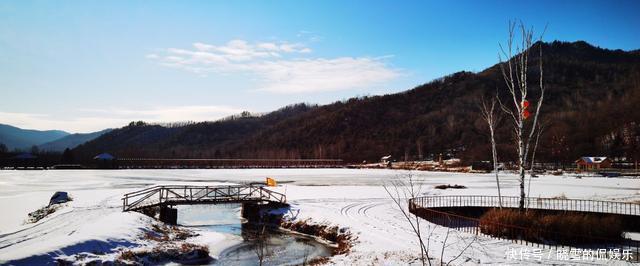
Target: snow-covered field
[353, 198]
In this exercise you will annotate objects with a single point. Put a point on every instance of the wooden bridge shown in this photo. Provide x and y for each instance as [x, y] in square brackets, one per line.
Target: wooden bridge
[164, 197]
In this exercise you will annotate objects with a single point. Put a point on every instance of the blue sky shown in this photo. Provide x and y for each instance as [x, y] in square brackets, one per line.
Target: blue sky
[83, 66]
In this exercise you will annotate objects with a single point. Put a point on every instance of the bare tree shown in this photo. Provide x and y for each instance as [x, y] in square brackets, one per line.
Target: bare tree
[490, 115]
[400, 191]
[261, 244]
[515, 72]
[467, 245]
[541, 127]
[444, 244]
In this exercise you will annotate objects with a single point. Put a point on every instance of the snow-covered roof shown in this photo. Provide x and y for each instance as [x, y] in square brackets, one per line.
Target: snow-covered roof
[593, 159]
[386, 157]
[104, 156]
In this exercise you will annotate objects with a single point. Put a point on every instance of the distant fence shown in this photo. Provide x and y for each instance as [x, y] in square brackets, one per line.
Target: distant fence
[227, 163]
[429, 208]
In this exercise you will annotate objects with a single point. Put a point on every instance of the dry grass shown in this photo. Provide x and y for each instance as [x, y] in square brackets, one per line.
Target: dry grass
[561, 196]
[181, 253]
[128, 255]
[318, 261]
[566, 228]
[41, 213]
[169, 247]
[447, 186]
[343, 238]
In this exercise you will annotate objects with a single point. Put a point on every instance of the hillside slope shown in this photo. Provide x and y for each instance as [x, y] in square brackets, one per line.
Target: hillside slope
[18, 138]
[590, 108]
[193, 140]
[70, 141]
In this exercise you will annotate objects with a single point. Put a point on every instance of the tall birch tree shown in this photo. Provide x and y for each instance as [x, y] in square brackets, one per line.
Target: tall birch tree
[515, 72]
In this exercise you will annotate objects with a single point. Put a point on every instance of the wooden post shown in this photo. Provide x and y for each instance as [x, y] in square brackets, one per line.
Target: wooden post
[168, 215]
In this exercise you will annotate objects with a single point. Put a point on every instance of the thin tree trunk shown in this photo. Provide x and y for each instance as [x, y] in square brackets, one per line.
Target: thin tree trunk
[533, 159]
[494, 151]
[521, 168]
[492, 119]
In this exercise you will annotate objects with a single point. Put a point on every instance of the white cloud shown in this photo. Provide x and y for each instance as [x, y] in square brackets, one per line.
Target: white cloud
[170, 113]
[268, 46]
[280, 67]
[316, 75]
[48, 122]
[89, 120]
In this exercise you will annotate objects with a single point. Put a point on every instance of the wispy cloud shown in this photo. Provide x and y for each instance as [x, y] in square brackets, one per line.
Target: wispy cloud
[48, 122]
[89, 120]
[282, 67]
[309, 36]
[168, 113]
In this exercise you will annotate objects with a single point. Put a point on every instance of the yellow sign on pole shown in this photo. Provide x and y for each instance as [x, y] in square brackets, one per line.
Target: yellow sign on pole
[271, 182]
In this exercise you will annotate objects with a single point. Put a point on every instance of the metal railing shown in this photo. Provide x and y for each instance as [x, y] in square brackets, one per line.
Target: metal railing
[427, 208]
[610, 207]
[190, 195]
[227, 163]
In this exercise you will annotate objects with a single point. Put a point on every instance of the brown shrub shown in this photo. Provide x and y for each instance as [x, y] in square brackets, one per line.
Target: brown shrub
[128, 255]
[566, 228]
[41, 213]
[343, 238]
[318, 261]
[456, 186]
[493, 222]
[184, 253]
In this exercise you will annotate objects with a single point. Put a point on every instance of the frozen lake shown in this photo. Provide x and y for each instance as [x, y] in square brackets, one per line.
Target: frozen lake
[350, 198]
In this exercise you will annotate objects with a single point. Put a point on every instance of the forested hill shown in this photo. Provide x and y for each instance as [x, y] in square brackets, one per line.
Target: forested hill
[591, 108]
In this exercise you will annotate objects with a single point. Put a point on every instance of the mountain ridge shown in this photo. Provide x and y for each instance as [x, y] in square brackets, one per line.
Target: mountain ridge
[18, 138]
[437, 117]
[70, 141]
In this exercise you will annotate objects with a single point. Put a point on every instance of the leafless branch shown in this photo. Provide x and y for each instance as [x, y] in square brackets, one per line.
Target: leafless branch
[473, 240]
[518, 88]
[489, 115]
[400, 192]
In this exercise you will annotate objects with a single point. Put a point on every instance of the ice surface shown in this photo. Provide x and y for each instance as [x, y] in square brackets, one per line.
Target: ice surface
[352, 198]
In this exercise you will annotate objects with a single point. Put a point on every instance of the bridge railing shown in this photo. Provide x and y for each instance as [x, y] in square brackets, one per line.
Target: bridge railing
[624, 208]
[177, 195]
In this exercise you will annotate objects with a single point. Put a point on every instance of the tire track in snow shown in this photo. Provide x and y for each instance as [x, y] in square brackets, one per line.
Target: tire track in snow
[364, 209]
[64, 223]
[378, 218]
[344, 211]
